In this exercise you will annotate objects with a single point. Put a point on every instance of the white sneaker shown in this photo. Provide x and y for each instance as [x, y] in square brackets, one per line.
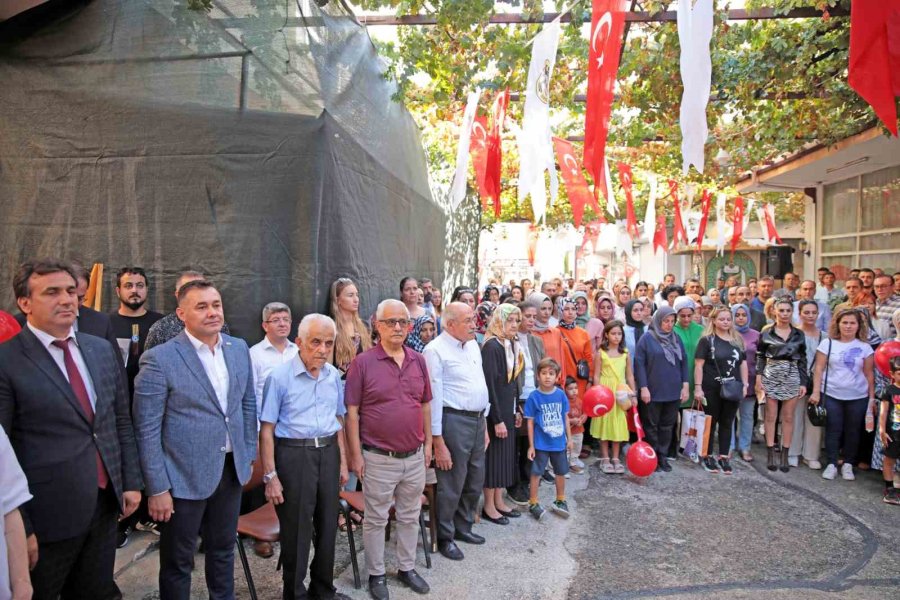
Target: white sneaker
[813, 464]
[847, 472]
[793, 461]
[830, 472]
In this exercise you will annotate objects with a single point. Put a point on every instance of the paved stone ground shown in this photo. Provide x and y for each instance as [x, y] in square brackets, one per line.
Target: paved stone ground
[682, 535]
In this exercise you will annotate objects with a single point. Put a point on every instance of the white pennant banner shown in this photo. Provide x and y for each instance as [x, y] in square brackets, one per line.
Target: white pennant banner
[720, 224]
[535, 144]
[460, 178]
[695, 28]
[650, 215]
[611, 206]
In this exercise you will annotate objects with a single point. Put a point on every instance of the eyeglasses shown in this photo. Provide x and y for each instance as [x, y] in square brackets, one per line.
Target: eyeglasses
[277, 320]
[392, 323]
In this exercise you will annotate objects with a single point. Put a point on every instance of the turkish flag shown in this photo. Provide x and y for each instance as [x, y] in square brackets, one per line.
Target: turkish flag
[607, 27]
[494, 166]
[478, 150]
[704, 206]
[771, 232]
[875, 56]
[660, 240]
[626, 179]
[678, 231]
[576, 186]
[738, 221]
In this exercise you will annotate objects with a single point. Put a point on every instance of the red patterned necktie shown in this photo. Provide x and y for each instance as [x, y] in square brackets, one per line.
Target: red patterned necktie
[77, 383]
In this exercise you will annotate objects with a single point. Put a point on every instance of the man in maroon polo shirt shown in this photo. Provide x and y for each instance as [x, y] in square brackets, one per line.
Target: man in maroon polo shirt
[388, 396]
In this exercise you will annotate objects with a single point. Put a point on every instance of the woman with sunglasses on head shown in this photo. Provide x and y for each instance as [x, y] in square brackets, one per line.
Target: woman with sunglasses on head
[782, 377]
[436, 307]
[807, 437]
[844, 379]
[465, 295]
[409, 295]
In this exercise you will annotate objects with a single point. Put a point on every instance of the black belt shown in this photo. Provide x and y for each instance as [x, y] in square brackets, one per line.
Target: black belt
[466, 413]
[319, 442]
[390, 453]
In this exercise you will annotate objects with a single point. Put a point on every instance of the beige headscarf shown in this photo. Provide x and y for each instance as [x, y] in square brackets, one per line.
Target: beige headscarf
[515, 360]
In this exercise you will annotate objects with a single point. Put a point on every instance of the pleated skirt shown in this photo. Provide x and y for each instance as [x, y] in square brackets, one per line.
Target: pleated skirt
[500, 465]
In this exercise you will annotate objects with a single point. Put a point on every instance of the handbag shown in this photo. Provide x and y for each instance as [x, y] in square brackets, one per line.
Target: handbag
[817, 412]
[582, 368]
[730, 389]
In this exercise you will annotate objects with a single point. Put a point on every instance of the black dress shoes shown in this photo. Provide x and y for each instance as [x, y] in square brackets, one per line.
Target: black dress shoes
[450, 550]
[468, 537]
[501, 520]
[512, 514]
[378, 587]
[413, 581]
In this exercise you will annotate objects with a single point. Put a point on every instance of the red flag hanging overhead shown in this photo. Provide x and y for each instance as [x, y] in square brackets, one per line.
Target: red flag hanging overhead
[875, 56]
[659, 236]
[704, 206]
[576, 186]
[771, 232]
[626, 179]
[478, 149]
[738, 222]
[493, 170]
[607, 27]
[678, 232]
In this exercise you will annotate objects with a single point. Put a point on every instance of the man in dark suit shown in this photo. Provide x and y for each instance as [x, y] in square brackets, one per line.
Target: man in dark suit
[195, 422]
[64, 405]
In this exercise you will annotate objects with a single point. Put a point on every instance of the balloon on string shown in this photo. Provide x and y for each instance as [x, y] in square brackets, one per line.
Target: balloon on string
[9, 327]
[598, 401]
[641, 459]
[884, 354]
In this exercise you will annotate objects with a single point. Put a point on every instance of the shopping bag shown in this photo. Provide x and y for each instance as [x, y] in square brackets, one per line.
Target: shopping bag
[695, 426]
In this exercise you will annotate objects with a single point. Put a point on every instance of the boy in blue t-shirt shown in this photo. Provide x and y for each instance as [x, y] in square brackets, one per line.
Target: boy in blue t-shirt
[549, 436]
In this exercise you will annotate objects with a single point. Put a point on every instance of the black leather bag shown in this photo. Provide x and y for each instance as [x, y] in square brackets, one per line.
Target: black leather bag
[816, 412]
[730, 389]
[582, 368]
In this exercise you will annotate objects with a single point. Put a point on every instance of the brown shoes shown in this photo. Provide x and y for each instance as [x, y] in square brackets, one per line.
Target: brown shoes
[263, 549]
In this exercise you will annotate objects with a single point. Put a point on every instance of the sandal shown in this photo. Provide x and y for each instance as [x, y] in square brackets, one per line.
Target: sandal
[618, 467]
[342, 524]
[606, 467]
[746, 456]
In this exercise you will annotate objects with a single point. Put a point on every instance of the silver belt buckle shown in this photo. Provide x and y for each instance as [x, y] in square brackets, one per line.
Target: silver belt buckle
[317, 442]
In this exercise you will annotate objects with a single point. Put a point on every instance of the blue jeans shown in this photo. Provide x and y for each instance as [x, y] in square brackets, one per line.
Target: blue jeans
[746, 414]
[845, 418]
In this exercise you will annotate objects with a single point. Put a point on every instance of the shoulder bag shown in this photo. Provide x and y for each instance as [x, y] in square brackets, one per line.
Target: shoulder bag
[816, 412]
[582, 368]
[730, 389]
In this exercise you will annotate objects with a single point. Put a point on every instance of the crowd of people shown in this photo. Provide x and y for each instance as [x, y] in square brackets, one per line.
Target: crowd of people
[141, 420]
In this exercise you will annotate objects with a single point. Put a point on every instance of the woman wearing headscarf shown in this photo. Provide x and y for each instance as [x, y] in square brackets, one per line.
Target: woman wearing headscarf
[690, 332]
[502, 362]
[659, 363]
[747, 409]
[634, 326]
[548, 334]
[483, 314]
[623, 296]
[576, 346]
[582, 315]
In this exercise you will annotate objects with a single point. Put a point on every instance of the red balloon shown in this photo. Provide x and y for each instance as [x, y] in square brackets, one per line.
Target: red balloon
[598, 401]
[9, 327]
[641, 459]
[884, 354]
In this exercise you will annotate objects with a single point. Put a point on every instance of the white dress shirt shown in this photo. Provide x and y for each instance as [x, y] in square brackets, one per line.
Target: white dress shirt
[265, 357]
[59, 358]
[217, 373]
[457, 378]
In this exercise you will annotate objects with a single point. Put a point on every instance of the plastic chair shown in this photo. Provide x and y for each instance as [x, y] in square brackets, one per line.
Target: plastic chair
[261, 524]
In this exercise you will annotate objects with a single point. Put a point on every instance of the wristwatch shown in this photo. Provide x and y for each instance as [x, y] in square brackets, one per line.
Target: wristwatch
[270, 476]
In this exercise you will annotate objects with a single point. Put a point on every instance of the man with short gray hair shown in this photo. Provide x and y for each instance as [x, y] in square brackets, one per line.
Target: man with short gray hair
[303, 456]
[275, 349]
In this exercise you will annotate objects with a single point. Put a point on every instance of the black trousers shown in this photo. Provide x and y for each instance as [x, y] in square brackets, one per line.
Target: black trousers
[722, 413]
[216, 520]
[81, 567]
[310, 478]
[661, 419]
[459, 489]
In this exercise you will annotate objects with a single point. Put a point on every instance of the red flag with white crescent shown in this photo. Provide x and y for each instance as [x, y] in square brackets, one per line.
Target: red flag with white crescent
[494, 166]
[607, 27]
[874, 56]
[738, 221]
[660, 240]
[771, 232]
[478, 150]
[626, 179]
[678, 232]
[704, 219]
[576, 186]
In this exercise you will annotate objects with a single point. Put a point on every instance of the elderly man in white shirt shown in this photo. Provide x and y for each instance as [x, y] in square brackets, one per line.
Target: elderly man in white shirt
[275, 349]
[458, 408]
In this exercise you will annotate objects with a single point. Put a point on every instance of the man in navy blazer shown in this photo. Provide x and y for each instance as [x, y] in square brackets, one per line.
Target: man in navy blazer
[195, 424]
[64, 404]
